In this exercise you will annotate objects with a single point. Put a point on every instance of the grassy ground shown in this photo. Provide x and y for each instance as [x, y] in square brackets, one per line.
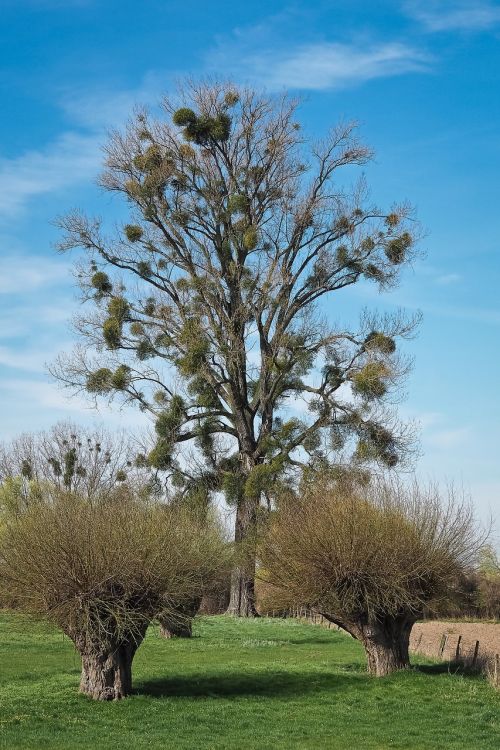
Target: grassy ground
[261, 684]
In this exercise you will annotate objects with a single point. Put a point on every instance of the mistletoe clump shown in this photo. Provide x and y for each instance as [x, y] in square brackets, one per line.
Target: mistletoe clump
[150, 160]
[201, 128]
[370, 381]
[133, 232]
[120, 379]
[237, 203]
[250, 238]
[397, 248]
[380, 342]
[112, 333]
[376, 443]
[99, 381]
[101, 283]
[118, 309]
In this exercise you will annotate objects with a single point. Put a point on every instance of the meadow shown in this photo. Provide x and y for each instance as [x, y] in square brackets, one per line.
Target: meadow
[266, 683]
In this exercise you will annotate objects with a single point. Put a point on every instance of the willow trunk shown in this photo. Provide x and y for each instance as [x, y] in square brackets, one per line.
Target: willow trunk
[180, 625]
[107, 666]
[386, 642]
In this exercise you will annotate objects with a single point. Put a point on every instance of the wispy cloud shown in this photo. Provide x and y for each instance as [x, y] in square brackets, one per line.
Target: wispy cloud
[23, 274]
[44, 394]
[40, 404]
[27, 360]
[70, 159]
[443, 15]
[102, 108]
[17, 320]
[256, 55]
[417, 299]
[436, 431]
[489, 316]
[334, 66]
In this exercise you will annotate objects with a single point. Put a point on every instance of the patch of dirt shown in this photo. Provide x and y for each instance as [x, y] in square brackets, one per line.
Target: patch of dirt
[427, 638]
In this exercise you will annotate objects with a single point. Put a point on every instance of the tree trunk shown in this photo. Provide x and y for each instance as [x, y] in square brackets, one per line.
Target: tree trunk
[107, 668]
[242, 595]
[180, 626]
[169, 629]
[386, 643]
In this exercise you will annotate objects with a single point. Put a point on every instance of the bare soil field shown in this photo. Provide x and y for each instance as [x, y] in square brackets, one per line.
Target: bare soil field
[427, 638]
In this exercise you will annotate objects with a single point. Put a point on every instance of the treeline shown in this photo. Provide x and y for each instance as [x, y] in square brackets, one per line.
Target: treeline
[476, 596]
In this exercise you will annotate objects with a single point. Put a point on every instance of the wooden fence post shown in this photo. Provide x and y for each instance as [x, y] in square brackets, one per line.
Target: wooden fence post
[476, 651]
[442, 645]
[457, 650]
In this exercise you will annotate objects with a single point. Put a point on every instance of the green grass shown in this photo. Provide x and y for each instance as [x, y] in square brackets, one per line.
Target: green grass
[237, 684]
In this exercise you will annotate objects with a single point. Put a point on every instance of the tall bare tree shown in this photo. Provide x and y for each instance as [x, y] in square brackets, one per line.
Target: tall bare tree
[89, 461]
[211, 320]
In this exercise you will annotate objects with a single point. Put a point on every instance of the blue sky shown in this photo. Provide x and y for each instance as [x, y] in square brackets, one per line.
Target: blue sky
[423, 80]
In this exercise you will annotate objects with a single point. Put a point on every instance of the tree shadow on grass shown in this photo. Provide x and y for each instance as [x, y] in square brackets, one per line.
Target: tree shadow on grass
[310, 641]
[271, 684]
[449, 667]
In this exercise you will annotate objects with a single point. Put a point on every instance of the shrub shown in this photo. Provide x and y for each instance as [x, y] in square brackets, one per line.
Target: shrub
[101, 572]
[368, 559]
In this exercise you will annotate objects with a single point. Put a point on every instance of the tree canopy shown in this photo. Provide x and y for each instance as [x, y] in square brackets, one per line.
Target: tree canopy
[102, 571]
[371, 559]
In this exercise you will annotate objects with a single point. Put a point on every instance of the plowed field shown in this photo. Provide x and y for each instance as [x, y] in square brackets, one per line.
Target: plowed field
[426, 638]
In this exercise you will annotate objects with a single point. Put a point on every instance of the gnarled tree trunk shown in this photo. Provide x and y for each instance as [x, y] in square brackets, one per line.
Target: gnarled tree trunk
[242, 595]
[386, 641]
[107, 666]
[183, 626]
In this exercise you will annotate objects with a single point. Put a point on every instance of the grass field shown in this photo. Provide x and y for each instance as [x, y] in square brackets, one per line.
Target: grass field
[237, 684]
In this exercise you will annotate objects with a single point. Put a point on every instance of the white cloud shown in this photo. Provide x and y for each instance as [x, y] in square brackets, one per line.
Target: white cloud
[20, 321]
[44, 395]
[70, 159]
[75, 156]
[489, 316]
[23, 274]
[455, 16]
[39, 404]
[102, 108]
[263, 55]
[29, 359]
[408, 301]
[319, 66]
[436, 432]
